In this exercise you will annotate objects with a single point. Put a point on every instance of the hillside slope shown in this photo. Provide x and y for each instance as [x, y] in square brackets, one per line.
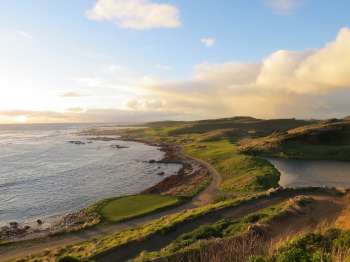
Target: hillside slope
[324, 140]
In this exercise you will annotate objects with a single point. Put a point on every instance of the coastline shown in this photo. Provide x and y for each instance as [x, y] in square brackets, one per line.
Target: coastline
[84, 218]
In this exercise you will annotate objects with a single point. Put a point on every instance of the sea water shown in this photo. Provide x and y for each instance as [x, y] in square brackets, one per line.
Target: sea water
[43, 175]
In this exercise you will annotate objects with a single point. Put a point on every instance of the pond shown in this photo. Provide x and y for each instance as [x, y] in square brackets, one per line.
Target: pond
[303, 173]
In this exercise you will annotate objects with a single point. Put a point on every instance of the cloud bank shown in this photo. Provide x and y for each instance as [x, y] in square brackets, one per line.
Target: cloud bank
[136, 14]
[312, 83]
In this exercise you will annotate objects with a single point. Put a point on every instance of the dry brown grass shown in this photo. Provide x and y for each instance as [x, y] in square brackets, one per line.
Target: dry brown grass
[236, 249]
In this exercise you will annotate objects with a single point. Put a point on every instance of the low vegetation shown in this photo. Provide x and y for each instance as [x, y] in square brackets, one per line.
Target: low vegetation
[332, 245]
[93, 247]
[204, 235]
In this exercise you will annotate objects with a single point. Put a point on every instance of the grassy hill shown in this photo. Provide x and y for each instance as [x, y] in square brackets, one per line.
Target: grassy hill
[249, 218]
[216, 142]
[239, 125]
[323, 140]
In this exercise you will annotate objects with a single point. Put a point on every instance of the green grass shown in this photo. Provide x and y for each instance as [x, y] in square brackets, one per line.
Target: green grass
[123, 208]
[206, 140]
[241, 174]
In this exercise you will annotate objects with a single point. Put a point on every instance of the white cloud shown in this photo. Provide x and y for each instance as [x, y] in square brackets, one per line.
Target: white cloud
[310, 83]
[284, 6]
[231, 72]
[24, 34]
[311, 71]
[136, 14]
[208, 41]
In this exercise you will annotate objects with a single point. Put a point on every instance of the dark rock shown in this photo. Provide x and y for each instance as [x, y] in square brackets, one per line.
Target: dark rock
[13, 224]
[161, 174]
[76, 142]
[103, 139]
[39, 221]
[152, 161]
[118, 146]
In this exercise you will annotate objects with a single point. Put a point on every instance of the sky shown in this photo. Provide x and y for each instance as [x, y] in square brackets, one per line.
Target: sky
[147, 60]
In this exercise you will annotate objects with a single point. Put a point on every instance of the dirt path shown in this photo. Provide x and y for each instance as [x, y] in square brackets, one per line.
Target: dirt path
[212, 191]
[26, 248]
[157, 241]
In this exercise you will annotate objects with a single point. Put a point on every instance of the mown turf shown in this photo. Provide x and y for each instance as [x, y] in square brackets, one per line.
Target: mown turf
[122, 208]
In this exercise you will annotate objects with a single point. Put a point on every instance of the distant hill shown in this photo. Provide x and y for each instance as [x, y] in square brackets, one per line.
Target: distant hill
[328, 139]
[241, 124]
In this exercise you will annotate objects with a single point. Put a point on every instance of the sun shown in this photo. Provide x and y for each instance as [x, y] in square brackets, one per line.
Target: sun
[21, 119]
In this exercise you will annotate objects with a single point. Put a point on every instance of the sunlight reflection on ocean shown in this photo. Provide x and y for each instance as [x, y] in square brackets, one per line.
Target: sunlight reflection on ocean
[42, 175]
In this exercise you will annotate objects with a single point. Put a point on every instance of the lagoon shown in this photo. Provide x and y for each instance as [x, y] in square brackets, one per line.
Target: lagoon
[304, 173]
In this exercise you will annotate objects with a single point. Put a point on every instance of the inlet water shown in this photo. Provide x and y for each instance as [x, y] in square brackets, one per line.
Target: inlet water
[303, 173]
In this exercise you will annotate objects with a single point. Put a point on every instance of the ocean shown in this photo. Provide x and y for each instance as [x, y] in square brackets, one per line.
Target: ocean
[42, 175]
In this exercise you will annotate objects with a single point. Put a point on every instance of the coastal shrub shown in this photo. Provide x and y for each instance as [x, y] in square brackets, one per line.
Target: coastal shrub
[316, 247]
[294, 254]
[257, 259]
[68, 259]
[342, 240]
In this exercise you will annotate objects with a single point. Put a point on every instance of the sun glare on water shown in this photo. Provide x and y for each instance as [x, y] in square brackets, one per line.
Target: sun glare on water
[21, 119]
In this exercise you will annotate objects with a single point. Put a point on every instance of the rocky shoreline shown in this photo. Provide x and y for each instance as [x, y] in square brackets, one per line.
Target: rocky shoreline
[81, 219]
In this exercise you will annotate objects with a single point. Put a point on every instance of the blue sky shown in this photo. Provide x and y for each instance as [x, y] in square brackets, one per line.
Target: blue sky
[56, 58]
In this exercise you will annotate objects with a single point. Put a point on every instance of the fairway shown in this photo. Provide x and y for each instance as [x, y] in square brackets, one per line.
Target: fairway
[118, 209]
